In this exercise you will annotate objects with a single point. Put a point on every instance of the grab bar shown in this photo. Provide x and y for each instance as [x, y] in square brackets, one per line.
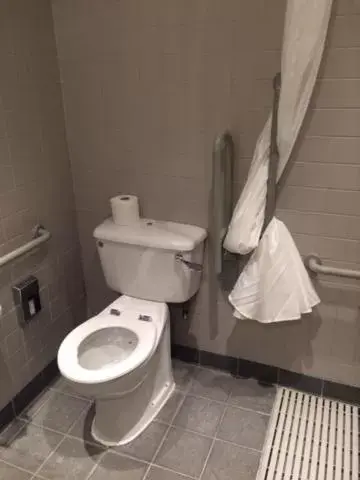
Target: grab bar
[221, 193]
[314, 263]
[41, 235]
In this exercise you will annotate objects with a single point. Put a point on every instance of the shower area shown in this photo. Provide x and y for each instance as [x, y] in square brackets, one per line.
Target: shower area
[146, 90]
[100, 98]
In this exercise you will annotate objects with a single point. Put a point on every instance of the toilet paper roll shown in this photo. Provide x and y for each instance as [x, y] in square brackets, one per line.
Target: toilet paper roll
[125, 209]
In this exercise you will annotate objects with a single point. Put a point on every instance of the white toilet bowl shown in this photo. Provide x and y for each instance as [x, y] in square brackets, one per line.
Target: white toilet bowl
[121, 358]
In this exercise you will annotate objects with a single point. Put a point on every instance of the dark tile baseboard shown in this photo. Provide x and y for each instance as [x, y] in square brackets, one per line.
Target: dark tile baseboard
[300, 381]
[28, 393]
[236, 366]
[268, 374]
[339, 391]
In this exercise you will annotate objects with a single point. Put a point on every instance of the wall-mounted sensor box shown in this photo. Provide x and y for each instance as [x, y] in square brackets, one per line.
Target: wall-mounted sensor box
[27, 297]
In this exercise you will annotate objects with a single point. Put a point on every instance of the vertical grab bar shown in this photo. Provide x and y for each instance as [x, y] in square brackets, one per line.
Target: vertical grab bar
[221, 194]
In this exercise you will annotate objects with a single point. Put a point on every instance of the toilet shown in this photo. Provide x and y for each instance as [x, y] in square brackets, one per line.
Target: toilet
[121, 357]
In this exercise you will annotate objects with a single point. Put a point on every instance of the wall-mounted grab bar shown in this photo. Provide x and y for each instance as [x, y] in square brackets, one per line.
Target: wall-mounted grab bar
[314, 263]
[41, 235]
[221, 194]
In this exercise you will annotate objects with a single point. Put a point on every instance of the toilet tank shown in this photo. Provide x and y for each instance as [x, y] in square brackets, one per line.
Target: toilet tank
[141, 260]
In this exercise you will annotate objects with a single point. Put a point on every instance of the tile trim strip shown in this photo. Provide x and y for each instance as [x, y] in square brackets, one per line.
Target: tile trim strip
[28, 393]
[268, 374]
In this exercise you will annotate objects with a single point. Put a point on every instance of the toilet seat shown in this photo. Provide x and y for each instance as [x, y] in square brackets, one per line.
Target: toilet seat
[68, 354]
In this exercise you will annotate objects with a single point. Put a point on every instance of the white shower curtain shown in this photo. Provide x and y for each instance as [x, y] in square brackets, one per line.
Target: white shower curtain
[275, 286]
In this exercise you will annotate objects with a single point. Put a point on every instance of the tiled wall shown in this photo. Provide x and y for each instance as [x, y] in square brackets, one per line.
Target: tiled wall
[146, 87]
[35, 186]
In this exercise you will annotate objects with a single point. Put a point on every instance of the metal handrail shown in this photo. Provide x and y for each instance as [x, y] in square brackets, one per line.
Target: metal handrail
[224, 152]
[314, 263]
[41, 235]
[222, 193]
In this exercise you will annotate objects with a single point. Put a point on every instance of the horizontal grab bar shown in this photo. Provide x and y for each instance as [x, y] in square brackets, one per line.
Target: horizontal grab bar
[314, 263]
[41, 235]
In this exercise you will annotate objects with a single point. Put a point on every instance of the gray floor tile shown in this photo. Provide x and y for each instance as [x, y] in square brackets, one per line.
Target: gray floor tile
[243, 427]
[213, 384]
[168, 411]
[200, 415]
[73, 460]
[230, 462]
[60, 412]
[30, 411]
[183, 452]
[145, 446]
[157, 473]
[63, 386]
[117, 467]
[248, 393]
[30, 447]
[82, 427]
[183, 373]
[7, 472]
[10, 431]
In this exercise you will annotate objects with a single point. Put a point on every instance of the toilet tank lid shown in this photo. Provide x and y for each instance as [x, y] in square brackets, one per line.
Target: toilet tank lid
[152, 234]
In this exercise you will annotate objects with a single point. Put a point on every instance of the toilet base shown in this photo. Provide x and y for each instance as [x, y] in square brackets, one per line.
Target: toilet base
[119, 419]
[148, 416]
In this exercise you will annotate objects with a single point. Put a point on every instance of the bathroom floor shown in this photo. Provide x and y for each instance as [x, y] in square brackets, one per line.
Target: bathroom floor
[213, 427]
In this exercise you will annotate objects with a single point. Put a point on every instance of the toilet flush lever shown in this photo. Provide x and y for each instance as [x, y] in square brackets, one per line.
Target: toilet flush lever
[192, 265]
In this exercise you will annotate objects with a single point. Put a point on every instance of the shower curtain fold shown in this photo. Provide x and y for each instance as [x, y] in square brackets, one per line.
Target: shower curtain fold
[274, 286]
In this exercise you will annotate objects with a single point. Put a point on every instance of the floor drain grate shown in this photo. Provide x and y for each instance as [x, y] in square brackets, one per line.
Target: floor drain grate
[310, 438]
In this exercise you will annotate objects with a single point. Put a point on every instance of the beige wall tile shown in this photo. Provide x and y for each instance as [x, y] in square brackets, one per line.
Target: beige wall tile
[347, 7]
[18, 224]
[6, 179]
[345, 31]
[35, 186]
[319, 200]
[323, 175]
[341, 150]
[329, 248]
[334, 122]
[322, 225]
[13, 201]
[341, 63]
[337, 93]
[4, 152]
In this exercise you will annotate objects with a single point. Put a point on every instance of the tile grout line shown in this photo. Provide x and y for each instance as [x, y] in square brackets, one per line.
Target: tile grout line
[49, 429]
[22, 469]
[65, 436]
[97, 464]
[229, 405]
[213, 443]
[47, 458]
[211, 438]
[186, 392]
[69, 394]
[167, 469]
[171, 424]
[48, 391]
